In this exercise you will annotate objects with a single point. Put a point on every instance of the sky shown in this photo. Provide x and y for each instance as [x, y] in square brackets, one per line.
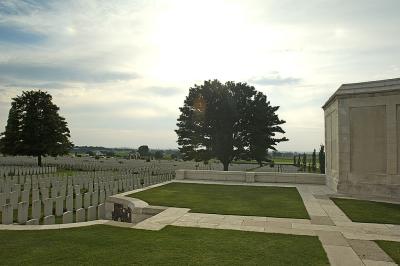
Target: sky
[119, 70]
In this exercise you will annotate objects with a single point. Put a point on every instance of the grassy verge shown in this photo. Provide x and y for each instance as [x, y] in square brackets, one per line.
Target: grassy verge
[106, 245]
[228, 199]
[391, 248]
[369, 211]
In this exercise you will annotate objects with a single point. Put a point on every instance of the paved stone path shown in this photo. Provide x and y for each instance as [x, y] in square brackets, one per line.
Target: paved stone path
[345, 242]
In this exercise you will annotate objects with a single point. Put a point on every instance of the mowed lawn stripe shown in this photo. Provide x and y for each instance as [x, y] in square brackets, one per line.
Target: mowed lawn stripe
[283, 202]
[106, 245]
[365, 211]
[391, 248]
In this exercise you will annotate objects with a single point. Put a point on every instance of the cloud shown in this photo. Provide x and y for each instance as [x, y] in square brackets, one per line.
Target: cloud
[34, 85]
[276, 81]
[163, 91]
[18, 35]
[61, 73]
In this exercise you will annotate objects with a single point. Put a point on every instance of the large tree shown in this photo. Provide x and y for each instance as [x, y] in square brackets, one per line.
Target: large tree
[144, 151]
[35, 128]
[227, 121]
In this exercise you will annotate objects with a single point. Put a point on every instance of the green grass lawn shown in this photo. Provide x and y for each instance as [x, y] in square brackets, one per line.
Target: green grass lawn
[228, 199]
[369, 211]
[391, 248]
[106, 245]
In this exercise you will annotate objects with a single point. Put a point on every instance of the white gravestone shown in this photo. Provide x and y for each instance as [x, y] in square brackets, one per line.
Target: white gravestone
[7, 214]
[50, 219]
[36, 209]
[69, 202]
[68, 217]
[78, 201]
[92, 213]
[14, 199]
[23, 212]
[86, 201]
[80, 215]
[48, 207]
[101, 211]
[59, 206]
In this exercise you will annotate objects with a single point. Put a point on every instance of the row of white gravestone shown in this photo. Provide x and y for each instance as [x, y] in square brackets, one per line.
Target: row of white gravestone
[67, 185]
[93, 213]
[67, 194]
[90, 164]
[21, 170]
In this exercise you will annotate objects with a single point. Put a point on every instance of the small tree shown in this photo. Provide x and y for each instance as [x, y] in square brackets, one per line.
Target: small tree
[299, 161]
[158, 155]
[321, 159]
[35, 128]
[144, 151]
[304, 162]
[314, 161]
[294, 160]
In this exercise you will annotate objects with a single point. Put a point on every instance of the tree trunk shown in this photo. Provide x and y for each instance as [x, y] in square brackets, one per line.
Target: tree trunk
[39, 160]
[226, 165]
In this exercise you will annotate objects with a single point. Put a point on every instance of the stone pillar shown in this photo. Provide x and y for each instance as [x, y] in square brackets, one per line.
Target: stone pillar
[36, 209]
[22, 212]
[59, 206]
[68, 217]
[50, 219]
[80, 215]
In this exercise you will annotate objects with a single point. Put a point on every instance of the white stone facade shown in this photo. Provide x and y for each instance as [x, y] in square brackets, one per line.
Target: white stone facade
[362, 139]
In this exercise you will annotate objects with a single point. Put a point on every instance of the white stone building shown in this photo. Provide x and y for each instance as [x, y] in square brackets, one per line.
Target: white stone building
[362, 139]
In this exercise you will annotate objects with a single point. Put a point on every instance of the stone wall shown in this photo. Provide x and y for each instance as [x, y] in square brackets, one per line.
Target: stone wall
[367, 133]
[251, 177]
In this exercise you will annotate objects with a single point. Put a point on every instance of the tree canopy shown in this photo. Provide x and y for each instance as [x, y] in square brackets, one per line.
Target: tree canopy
[144, 151]
[35, 128]
[227, 121]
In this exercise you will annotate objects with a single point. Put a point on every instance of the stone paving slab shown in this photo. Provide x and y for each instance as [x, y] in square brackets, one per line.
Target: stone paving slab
[369, 250]
[322, 220]
[342, 256]
[164, 218]
[332, 238]
[378, 263]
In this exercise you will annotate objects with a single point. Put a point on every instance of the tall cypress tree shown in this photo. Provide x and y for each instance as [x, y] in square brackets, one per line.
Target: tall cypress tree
[304, 166]
[35, 128]
[321, 159]
[314, 161]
